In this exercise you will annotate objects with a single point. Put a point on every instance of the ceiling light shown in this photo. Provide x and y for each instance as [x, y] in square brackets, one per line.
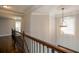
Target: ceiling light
[6, 7]
[62, 19]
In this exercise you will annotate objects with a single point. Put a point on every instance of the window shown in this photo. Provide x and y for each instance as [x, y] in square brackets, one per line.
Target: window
[18, 24]
[70, 23]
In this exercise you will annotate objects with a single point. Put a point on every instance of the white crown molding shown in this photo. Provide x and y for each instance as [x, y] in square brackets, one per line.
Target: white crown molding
[5, 35]
[32, 9]
[10, 10]
[9, 14]
[39, 13]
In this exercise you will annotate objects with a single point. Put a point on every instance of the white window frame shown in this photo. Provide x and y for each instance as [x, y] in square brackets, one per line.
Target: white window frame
[70, 29]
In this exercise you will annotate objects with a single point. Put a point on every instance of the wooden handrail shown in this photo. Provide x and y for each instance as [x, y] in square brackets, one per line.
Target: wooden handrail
[49, 45]
[56, 48]
[67, 48]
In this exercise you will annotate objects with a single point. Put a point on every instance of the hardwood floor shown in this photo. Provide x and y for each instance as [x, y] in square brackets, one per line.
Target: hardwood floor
[6, 44]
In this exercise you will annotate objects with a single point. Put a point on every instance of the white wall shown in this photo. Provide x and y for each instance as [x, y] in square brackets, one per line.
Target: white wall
[52, 29]
[5, 26]
[26, 22]
[40, 26]
[77, 32]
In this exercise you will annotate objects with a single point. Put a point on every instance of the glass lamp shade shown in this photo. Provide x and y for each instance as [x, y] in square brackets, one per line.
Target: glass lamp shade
[63, 24]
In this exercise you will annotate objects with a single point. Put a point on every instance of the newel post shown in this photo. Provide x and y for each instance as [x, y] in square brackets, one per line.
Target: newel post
[23, 41]
[23, 35]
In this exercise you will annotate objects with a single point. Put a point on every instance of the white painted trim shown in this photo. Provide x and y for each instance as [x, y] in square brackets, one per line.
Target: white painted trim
[5, 35]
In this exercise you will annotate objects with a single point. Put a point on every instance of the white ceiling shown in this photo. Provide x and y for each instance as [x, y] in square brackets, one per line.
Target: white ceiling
[13, 10]
[43, 9]
[17, 8]
[56, 9]
[20, 8]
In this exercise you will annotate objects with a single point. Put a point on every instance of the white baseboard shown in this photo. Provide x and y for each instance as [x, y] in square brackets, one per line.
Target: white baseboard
[5, 35]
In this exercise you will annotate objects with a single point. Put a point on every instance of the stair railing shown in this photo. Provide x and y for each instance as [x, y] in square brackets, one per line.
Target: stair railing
[34, 45]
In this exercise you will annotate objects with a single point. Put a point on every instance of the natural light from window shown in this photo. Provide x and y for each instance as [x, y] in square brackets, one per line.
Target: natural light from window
[70, 23]
[18, 24]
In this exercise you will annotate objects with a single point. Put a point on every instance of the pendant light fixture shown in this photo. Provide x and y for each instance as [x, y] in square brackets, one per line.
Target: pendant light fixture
[7, 7]
[62, 19]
